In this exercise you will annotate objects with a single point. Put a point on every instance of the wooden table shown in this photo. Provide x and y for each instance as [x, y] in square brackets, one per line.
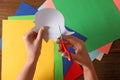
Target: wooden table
[107, 69]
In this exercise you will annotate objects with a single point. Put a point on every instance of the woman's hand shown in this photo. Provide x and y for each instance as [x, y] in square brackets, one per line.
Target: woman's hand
[33, 43]
[81, 56]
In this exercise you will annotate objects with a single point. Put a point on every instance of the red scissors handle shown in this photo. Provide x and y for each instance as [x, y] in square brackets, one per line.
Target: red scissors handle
[64, 49]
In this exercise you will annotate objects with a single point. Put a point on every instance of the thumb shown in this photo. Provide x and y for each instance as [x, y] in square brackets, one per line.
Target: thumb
[40, 34]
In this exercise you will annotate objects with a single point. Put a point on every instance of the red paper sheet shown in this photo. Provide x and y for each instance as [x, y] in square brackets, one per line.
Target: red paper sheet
[74, 72]
[117, 3]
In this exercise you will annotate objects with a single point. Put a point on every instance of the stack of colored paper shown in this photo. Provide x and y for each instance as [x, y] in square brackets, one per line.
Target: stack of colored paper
[91, 22]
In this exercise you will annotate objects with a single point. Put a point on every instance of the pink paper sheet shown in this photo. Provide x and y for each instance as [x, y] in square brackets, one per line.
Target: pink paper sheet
[117, 3]
[49, 4]
[105, 49]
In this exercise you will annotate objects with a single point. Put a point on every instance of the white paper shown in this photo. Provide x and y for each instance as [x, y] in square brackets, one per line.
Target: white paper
[52, 19]
[100, 56]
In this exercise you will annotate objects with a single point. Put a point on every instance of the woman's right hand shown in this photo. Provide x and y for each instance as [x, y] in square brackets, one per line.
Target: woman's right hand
[81, 55]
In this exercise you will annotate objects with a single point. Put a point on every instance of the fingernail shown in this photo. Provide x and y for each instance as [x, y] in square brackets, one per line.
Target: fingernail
[42, 28]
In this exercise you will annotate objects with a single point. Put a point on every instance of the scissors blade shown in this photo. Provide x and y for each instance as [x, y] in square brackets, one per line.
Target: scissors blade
[64, 47]
[60, 33]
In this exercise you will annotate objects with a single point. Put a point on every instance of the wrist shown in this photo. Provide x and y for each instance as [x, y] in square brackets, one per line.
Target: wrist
[88, 66]
[31, 60]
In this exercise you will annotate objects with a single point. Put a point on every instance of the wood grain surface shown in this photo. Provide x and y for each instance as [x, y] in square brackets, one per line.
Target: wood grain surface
[107, 69]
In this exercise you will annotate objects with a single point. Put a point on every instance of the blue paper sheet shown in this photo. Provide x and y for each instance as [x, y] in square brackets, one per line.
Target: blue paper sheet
[94, 54]
[25, 9]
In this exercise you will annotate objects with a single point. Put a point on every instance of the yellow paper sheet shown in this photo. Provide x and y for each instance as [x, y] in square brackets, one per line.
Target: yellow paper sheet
[14, 52]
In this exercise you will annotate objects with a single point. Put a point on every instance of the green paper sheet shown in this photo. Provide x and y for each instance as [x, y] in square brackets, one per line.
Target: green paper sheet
[98, 20]
[30, 17]
[58, 62]
[58, 68]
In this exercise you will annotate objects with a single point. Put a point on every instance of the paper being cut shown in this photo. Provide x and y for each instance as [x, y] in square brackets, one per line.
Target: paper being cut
[52, 19]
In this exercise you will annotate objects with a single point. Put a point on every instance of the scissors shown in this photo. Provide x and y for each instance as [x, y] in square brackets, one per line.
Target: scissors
[63, 46]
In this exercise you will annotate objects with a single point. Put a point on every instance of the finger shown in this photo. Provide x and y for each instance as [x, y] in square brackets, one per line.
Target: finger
[68, 44]
[29, 34]
[72, 39]
[69, 39]
[65, 42]
[40, 34]
[75, 42]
